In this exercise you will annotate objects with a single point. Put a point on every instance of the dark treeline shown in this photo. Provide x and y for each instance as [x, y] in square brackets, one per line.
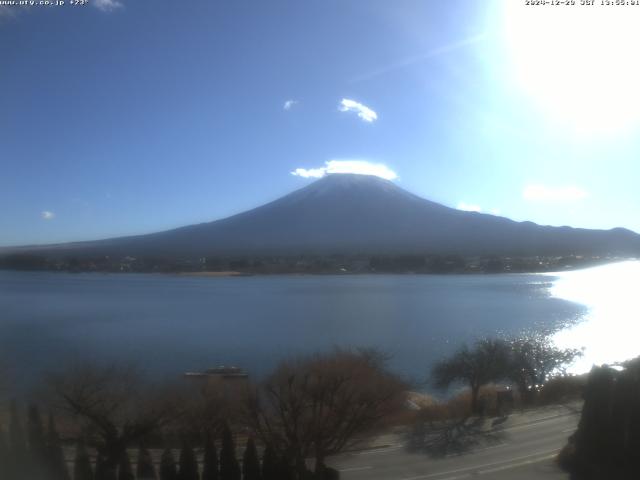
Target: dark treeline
[113, 424]
[607, 441]
[408, 263]
[29, 451]
[200, 429]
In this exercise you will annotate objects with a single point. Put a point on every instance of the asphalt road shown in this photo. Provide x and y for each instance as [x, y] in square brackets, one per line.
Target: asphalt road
[522, 447]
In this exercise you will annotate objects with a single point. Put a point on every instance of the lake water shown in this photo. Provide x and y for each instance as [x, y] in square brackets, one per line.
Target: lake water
[170, 324]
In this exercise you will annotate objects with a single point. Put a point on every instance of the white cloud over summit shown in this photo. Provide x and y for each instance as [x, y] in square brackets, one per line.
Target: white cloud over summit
[364, 112]
[361, 167]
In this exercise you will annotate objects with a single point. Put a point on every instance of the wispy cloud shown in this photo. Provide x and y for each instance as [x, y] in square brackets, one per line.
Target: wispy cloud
[289, 104]
[364, 112]
[7, 11]
[361, 167]
[47, 215]
[543, 193]
[434, 52]
[469, 207]
[107, 5]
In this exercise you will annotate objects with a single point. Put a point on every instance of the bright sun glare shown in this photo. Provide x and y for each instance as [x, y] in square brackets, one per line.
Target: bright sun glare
[609, 331]
[578, 63]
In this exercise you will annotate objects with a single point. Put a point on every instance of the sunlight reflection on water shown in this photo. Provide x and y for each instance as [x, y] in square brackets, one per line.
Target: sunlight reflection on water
[609, 331]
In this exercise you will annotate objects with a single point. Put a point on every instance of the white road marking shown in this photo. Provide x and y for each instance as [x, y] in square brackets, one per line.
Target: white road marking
[475, 468]
[476, 450]
[355, 469]
[464, 475]
[536, 422]
[514, 465]
[376, 451]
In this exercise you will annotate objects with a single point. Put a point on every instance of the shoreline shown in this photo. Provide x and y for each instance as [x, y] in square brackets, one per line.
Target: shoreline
[550, 269]
[229, 273]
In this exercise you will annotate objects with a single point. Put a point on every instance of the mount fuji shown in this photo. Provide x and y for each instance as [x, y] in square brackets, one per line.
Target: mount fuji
[357, 214]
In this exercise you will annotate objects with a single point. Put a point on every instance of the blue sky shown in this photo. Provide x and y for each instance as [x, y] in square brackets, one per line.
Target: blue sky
[126, 117]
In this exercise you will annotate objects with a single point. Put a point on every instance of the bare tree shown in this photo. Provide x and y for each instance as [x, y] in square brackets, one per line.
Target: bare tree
[206, 405]
[317, 406]
[533, 359]
[486, 362]
[115, 406]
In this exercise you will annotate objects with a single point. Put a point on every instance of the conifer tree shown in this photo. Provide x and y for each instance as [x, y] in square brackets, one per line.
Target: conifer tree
[35, 432]
[36, 443]
[250, 462]
[269, 464]
[57, 465]
[82, 464]
[16, 433]
[18, 457]
[285, 472]
[99, 472]
[229, 467]
[188, 464]
[103, 470]
[168, 469]
[125, 471]
[145, 470]
[210, 467]
[4, 455]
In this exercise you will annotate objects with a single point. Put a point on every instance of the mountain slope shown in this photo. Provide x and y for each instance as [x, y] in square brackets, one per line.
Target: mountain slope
[360, 214]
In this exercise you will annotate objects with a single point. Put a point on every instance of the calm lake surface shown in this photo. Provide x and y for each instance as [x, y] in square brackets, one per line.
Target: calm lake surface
[170, 324]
